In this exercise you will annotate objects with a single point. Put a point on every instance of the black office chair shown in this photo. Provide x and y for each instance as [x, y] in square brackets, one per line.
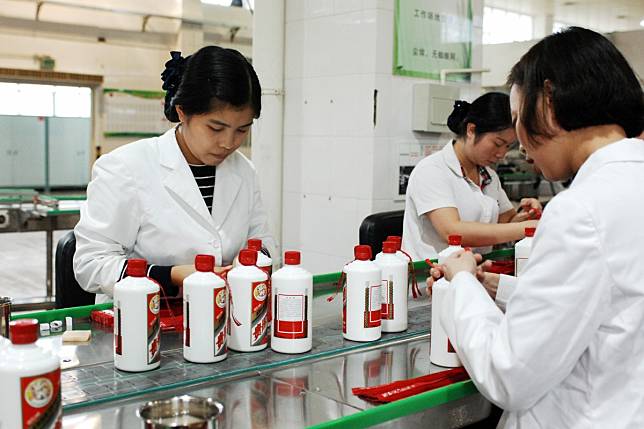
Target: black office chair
[68, 291]
[376, 227]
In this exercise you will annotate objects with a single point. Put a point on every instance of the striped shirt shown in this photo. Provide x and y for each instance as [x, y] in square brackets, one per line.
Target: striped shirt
[205, 178]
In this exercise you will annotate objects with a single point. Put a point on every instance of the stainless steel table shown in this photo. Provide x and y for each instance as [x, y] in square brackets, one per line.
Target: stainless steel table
[267, 389]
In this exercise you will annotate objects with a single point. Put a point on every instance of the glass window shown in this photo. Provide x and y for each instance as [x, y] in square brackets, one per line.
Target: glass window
[8, 98]
[503, 26]
[24, 99]
[35, 100]
[72, 102]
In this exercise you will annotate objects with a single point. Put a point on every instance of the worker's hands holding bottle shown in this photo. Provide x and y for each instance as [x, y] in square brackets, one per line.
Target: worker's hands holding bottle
[465, 260]
[530, 210]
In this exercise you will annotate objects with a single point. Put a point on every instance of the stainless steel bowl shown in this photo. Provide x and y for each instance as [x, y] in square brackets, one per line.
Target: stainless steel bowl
[181, 412]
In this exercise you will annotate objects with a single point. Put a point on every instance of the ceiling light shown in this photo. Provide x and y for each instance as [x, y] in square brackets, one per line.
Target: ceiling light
[642, 23]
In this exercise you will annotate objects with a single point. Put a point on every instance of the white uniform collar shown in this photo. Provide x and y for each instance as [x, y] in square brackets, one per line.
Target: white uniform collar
[451, 160]
[631, 150]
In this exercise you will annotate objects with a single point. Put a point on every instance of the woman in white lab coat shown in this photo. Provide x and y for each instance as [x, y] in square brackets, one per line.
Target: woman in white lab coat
[569, 351]
[189, 191]
[455, 190]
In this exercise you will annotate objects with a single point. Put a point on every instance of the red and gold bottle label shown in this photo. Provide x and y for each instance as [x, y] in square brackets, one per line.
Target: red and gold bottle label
[220, 321]
[344, 308]
[118, 338]
[154, 327]
[450, 347]
[41, 401]
[259, 313]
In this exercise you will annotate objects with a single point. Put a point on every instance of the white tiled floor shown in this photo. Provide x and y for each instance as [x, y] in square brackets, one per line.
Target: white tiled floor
[23, 264]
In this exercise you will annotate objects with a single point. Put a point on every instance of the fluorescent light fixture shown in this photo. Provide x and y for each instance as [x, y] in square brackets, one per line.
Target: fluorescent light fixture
[642, 23]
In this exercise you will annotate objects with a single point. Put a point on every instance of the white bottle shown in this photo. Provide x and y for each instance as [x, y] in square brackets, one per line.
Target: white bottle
[249, 327]
[205, 313]
[30, 380]
[264, 262]
[137, 327]
[398, 240]
[361, 298]
[393, 290]
[441, 352]
[522, 251]
[292, 302]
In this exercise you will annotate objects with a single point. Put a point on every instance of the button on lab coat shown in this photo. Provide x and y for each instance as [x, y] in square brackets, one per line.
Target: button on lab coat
[143, 202]
[569, 351]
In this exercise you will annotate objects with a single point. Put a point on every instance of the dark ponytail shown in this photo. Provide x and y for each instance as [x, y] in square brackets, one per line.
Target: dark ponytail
[211, 78]
[489, 113]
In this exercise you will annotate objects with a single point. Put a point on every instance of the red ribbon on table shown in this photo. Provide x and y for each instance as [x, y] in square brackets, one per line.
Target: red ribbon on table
[404, 388]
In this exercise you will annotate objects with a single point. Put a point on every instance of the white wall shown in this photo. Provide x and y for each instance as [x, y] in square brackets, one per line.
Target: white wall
[338, 166]
[631, 44]
[501, 57]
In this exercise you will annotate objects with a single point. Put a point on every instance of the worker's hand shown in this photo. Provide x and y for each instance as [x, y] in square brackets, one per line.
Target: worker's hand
[463, 260]
[530, 209]
[223, 271]
[178, 274]
[490, 281]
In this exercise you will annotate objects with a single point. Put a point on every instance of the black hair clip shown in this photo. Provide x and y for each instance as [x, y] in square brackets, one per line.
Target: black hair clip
[462, 105]
[173, 72]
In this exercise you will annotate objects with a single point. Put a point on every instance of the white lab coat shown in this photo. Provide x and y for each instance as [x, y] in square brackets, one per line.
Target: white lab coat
[569, 351]
[143, 202]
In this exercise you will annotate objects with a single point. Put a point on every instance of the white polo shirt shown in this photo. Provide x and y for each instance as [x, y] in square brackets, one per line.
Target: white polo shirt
[438, 181]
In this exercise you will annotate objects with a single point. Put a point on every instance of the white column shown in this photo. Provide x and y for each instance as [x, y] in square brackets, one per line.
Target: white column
[542, 26]
[267, 133]
[190, 38]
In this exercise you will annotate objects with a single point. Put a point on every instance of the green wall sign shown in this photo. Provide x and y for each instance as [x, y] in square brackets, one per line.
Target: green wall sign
[429, 39]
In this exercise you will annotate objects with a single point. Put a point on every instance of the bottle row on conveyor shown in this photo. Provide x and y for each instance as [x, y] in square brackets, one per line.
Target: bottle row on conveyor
[246, 309]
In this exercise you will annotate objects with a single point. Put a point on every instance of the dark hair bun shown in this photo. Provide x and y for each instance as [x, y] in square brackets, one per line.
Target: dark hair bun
[171, 78]
[458, 115]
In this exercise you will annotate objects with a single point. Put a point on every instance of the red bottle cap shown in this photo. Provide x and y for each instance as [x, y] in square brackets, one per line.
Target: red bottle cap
[254, 244]
[529, 232]
[205, 263]
[248, 257]
[454, 240]
[396, 239]
[292, 257]
[24, 331]
[362, 252]
[389, 247]
[137, 267]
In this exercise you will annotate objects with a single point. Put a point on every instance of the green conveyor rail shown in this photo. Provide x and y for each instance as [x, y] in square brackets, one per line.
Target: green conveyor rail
[75, 197]
[57, 212]
[61, 313]
[401, 408]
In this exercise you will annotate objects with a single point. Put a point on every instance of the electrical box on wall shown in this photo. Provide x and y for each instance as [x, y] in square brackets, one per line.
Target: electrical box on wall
[432, 105]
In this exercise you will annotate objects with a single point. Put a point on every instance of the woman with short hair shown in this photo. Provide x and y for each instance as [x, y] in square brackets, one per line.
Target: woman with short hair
[569, 351]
